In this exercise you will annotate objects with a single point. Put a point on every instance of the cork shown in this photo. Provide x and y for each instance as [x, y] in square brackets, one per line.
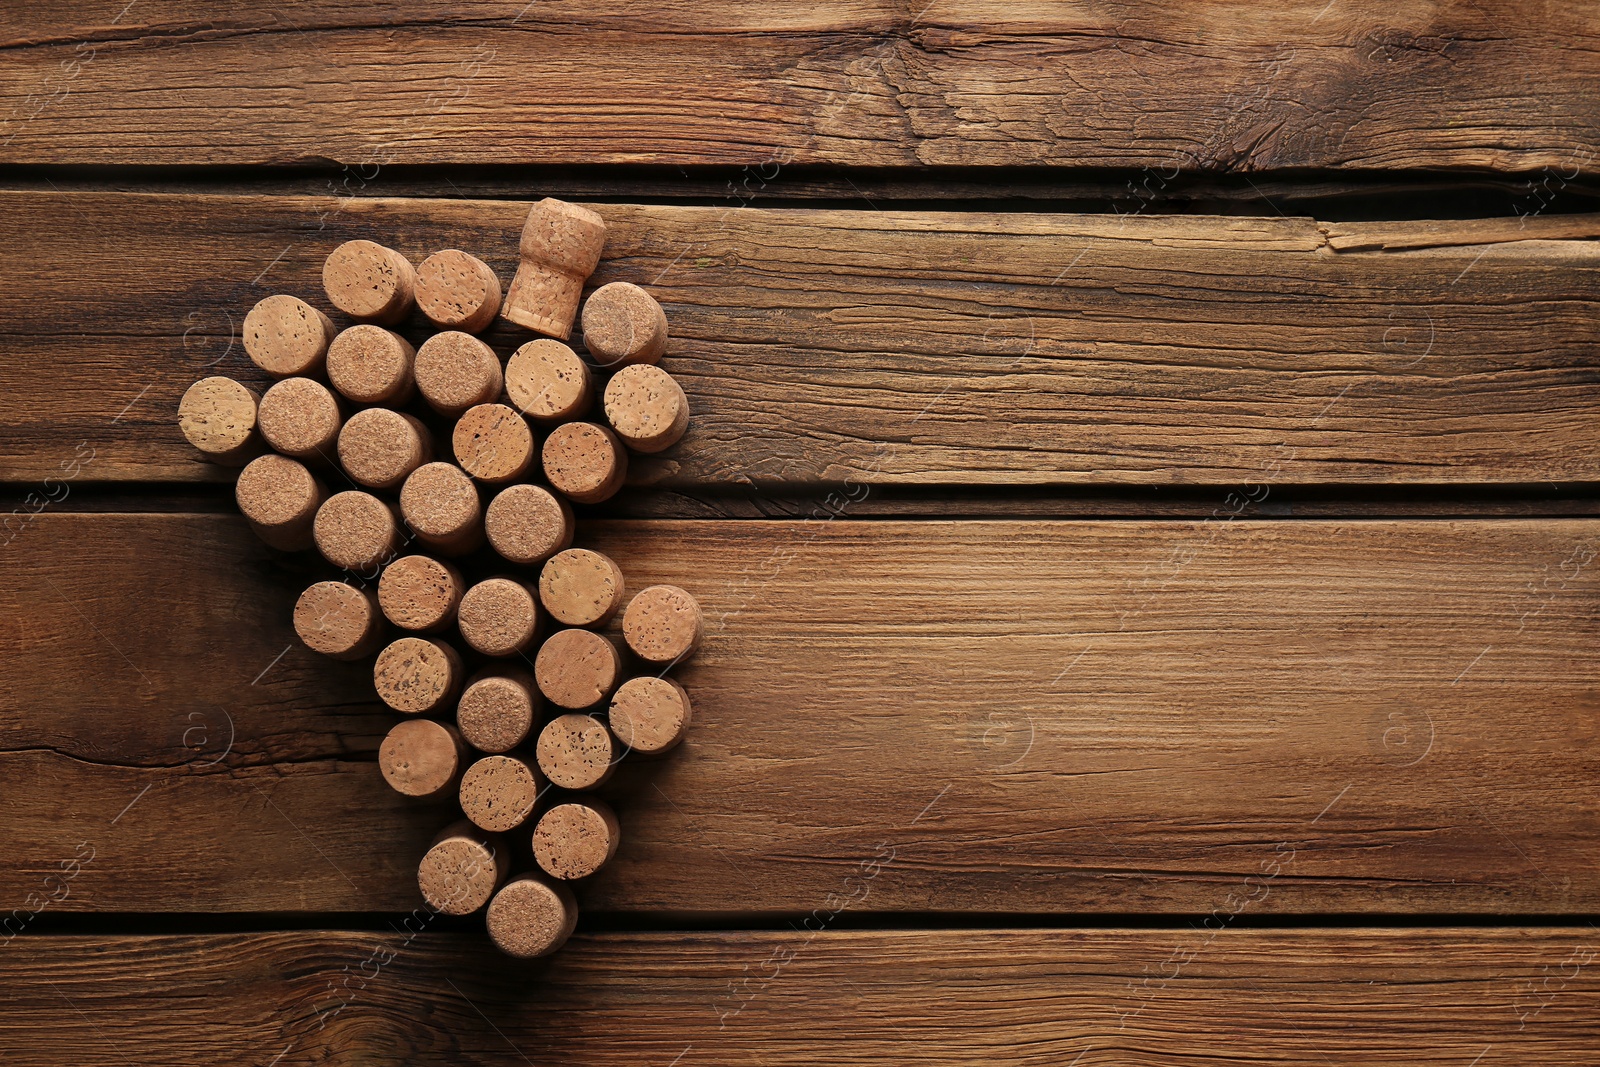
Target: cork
[457, 291]
[646, 408]
[663, 624]
[493, 444]
[577, 668]
[456, 371]
[422, 759]
[560, 248]
[576, 838]
[623, 324]
[576, 751]
[379, 448]
[440, 504]
[548, 382]
[357, 531]
[528, 524]
[369, 282]
[339, 620]
[585, 461]
[420, 593]
[581, 587]
[649, 715]
[417, 675]
[462, 869]
[218, 416]
[371, 365]
[530, 918]
[287, 337]
[499, 617]
[300, 418]
[280, 498]
[498, 792]
[497, 710]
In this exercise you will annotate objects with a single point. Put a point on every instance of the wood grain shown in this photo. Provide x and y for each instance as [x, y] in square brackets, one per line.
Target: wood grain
[1230, 87]
[893, 348]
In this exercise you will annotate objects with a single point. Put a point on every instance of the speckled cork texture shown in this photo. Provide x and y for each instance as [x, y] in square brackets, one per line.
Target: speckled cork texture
[528, 524]
[287, 337]
[455, 371]
[499, 617]
[218, 416]
[442, 506]
[585, 462]
[300, 418]
[461, 870]
[548, 382]
[417, 675]
[339, 620]
[357, 531]
[576, 838]
[421, 593]
[498, 793]
[649, 715]
[421, 759]
[369, 282]
[456, 290]
[560, 248]
[581, 587]
[646, 408]
[379, 448]
[623, 324]
[493, 444]
[280, 498]
[663, 624]
[530, 918]
[498, 709]
[370, 365]
[576, 751]
[577, 668]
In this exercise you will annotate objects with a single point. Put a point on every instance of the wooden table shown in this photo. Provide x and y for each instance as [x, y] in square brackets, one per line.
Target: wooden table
[1150, 576]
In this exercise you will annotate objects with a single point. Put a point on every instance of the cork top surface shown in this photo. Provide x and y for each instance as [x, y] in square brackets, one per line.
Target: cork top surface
[546, 380]
[575, 839]
[457, 291]
[649, 715]
[458, 874]
[275, 490]
[643, 403]
[497, 710]
[499, 617]
[439, 500]
[498, 792]
[624, 324]
[455, 370]
[581, 587]
[577, 668]
[370, 365]
[564, 236]
[366, 280]
[285, 336]
[420, 593]
[662, 624]
[583, 460]
[529, 918]
[528, 523]
[419, 757]
[217, 415]
[575, 751]
[355, 530]
[493, 443]
[299, 417]
[414, 674]
[333, 618]
[379, 447]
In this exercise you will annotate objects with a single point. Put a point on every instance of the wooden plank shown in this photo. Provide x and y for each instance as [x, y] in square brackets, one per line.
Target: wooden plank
[1162, 998]
[1029, 717]
[831, 347]
[1237, 87]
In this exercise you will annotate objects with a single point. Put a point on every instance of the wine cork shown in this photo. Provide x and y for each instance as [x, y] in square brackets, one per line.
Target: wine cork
[528, 524]
[577, 668]
[646, 408]
[369, 282]
[287, 337]
[574, 839]
[493, 444]
[576, 751]
[462, 869]
[280, 498]
[456, 371]
[357, 531]
[498, 793]
[420, 593]
[338, 620]
[623, 324]
[441, 505]
[421, 758]
[218, 416]
[581, 587]
[380, 448]
[417, 675]
[497, 710]
[371, 365]
[457, 291]
[663, 624]
[499, 617]
[530, 918]
[585, 461]
[548, 382]
[560, 248]
[300, 418]
[649, 715]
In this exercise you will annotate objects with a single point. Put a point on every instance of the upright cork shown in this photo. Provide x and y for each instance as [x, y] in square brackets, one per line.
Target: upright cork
[417, 675]
[623, 324]
[280, 498]
[576, 751]
[577, 668]
[663, 625]
[574, 839]
[339, 620]
[218, 416]
[560, 248]
[379, 447]
[358, 532]
[498, 793]
[585, 461]
[528, 524]
[457, 291]
[530, 918]
[441, 505]
[371, 365]
[649, 715]
[422, 759]
[497, 710]
[421, 593]
[493, 444]
[456, 371]
[581, 587]
[549, 383]
[646, 408]
[462, 869]
[300, 418]
[499, 617]
[369, 282]
[287, 337]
